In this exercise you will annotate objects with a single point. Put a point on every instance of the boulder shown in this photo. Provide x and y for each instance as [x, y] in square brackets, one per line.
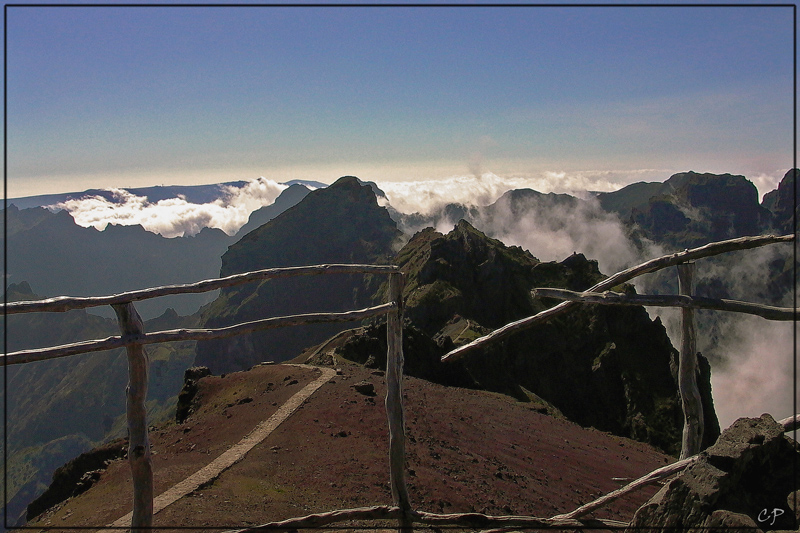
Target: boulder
[365, 387]
[185, 405]
[745, 480]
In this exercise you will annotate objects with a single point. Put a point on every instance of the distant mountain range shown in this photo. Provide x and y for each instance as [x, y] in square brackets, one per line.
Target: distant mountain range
[57, 257]
[461, 284]
[196, 194]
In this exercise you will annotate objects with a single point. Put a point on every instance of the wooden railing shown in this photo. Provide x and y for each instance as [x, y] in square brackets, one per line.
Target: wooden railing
[133, 337]
[687, 366]
[577, 518]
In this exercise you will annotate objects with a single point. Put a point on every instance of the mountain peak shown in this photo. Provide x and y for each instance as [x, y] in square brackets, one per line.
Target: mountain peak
[346, 181]
[341, 223]
[587, 363]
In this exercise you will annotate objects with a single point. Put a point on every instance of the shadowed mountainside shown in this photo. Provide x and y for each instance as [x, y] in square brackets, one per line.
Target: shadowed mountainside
[339, 224]
[62, 407]
[58, 257]
[288, 198]
[690, 209]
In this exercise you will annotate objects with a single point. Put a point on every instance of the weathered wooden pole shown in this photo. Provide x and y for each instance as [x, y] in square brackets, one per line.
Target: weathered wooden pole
[394, 401]
[130, 323]
[687, 370]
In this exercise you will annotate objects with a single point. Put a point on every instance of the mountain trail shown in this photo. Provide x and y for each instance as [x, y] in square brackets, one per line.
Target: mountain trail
[332, 453]
[236, 452]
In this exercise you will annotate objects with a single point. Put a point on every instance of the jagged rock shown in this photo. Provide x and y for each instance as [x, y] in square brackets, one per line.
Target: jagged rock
[783, 204]
[77, 476]
[365, 387]
[185, 405]
[740, 481]
[612, 368]
[422, 356]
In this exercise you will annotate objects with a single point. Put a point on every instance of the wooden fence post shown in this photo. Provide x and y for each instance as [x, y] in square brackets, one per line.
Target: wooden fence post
[394, 400]
[687, 370]
[130, 323]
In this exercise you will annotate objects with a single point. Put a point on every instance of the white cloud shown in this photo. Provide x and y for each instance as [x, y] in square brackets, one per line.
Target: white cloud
[751, 357]
[756, 376]
[175, 217]
[428, 196]
[552, 232]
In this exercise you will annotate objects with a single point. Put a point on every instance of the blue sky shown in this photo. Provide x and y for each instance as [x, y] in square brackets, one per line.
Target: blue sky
[116, 96]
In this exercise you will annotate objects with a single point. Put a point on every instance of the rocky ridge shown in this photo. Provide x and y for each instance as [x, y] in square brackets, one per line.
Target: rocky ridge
[586, 365]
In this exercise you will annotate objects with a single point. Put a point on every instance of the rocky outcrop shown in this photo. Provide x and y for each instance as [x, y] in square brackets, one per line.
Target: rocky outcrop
[186, 404]
[368, 346]
[744, 480]
[608, 367]
[77, 476]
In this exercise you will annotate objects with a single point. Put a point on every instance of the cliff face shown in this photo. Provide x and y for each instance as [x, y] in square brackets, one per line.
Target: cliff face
[782, 203]
[339, 224]
[690, 209]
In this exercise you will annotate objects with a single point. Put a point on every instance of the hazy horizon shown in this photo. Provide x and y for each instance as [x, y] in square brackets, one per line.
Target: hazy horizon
[118, 96]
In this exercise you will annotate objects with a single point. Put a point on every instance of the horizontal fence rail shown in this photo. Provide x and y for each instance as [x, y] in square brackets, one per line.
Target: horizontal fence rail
[117, 341]
[134, 338]
[68, 303]
[677, 300]
[660, 263]
[469, 520]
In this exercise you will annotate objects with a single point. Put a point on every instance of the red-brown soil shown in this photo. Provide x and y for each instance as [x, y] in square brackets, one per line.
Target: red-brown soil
[467, 451]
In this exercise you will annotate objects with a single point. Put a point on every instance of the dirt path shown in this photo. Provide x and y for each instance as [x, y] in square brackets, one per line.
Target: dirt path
[236, 452]
[467, 451]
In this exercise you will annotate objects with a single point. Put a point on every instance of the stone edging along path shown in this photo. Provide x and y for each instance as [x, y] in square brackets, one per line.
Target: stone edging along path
[237, 451]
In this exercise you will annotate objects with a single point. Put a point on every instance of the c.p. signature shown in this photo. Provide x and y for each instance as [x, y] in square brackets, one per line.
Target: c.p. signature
[766, 514]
